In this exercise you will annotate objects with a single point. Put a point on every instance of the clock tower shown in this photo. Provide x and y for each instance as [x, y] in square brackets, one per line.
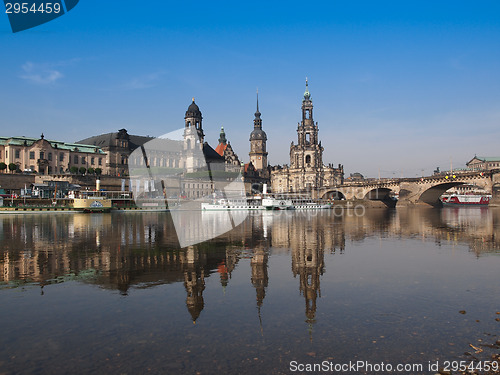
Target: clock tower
[258, 138]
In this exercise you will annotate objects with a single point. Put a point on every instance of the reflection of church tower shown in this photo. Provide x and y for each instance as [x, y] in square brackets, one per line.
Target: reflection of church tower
[258, 138]
[260, 277]
[308, 153]
[308, 263]
[194, 282]
[193, 137]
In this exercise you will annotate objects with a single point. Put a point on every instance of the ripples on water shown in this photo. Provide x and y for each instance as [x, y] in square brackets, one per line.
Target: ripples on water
[113, 292]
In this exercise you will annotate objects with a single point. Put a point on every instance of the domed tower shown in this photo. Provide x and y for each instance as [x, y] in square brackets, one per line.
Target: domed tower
[258, 138]
[193, 139]
[192, 121]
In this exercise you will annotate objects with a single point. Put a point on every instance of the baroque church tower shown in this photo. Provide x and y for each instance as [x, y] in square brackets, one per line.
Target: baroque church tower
[308, 153]
[192, 121]
[258, 139]
[306, 172]
[193, 138]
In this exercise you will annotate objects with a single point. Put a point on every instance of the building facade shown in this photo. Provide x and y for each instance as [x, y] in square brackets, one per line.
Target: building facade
[225, 150]
[186, 165]
[482, 163]
[49, 157]
[306, 171]
[118, 146]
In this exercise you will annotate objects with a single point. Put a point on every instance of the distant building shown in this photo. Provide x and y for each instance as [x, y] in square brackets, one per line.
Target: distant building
[188, 163]
[118, 146]
[225, 150]
[355, 177]
[482, 163]
[306, 171]
[49, 157]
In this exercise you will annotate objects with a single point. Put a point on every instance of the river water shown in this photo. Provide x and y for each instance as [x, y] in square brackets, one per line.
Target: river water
[113, 293]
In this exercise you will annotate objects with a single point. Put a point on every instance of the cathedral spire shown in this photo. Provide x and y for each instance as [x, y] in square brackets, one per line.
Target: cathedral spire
[257, 114]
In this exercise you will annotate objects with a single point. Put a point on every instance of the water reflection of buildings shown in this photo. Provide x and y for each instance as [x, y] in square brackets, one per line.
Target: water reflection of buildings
[260, 277]
[124, 251]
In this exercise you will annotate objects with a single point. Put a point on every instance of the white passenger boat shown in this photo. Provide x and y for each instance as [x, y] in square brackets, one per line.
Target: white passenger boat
[255, 203]
[309, 204]
[277, 203]
[233, 204]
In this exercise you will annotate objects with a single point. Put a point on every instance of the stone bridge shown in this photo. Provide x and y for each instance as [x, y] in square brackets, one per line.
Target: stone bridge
[410, 191]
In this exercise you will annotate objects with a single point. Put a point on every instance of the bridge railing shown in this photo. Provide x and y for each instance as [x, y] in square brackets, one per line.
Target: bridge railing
[450, 177]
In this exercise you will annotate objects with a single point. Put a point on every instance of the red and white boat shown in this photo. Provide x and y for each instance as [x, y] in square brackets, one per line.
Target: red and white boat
[466, 200]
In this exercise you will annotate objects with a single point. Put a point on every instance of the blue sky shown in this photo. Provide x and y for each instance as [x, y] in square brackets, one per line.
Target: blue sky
[398, 86]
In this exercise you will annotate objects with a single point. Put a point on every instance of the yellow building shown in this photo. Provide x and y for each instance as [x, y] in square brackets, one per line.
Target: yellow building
[49, 157]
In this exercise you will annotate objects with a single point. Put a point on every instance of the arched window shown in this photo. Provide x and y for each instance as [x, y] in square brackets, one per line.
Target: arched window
[308, 159]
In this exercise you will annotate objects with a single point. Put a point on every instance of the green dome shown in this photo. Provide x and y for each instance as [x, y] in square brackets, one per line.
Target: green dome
[307, 94]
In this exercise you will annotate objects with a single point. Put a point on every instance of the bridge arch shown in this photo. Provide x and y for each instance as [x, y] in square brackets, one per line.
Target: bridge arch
[378, 194]
[334, 195]
[431, 195]
[383, 194]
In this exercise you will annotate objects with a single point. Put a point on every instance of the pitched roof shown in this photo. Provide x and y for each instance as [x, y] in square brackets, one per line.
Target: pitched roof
[488, 158]
[211, 155]
[485, 159]
[221, 148]
[106, 140]
[77, 147]
[249, 166]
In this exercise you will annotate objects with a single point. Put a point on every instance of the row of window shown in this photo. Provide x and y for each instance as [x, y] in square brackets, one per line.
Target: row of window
[157, 162]
[485, 165]
[76, 158]
[197, 186]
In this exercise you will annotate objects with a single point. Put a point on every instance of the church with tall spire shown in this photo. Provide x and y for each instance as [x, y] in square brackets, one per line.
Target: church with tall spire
[306, 171]
[257, 171]
[258, 139]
